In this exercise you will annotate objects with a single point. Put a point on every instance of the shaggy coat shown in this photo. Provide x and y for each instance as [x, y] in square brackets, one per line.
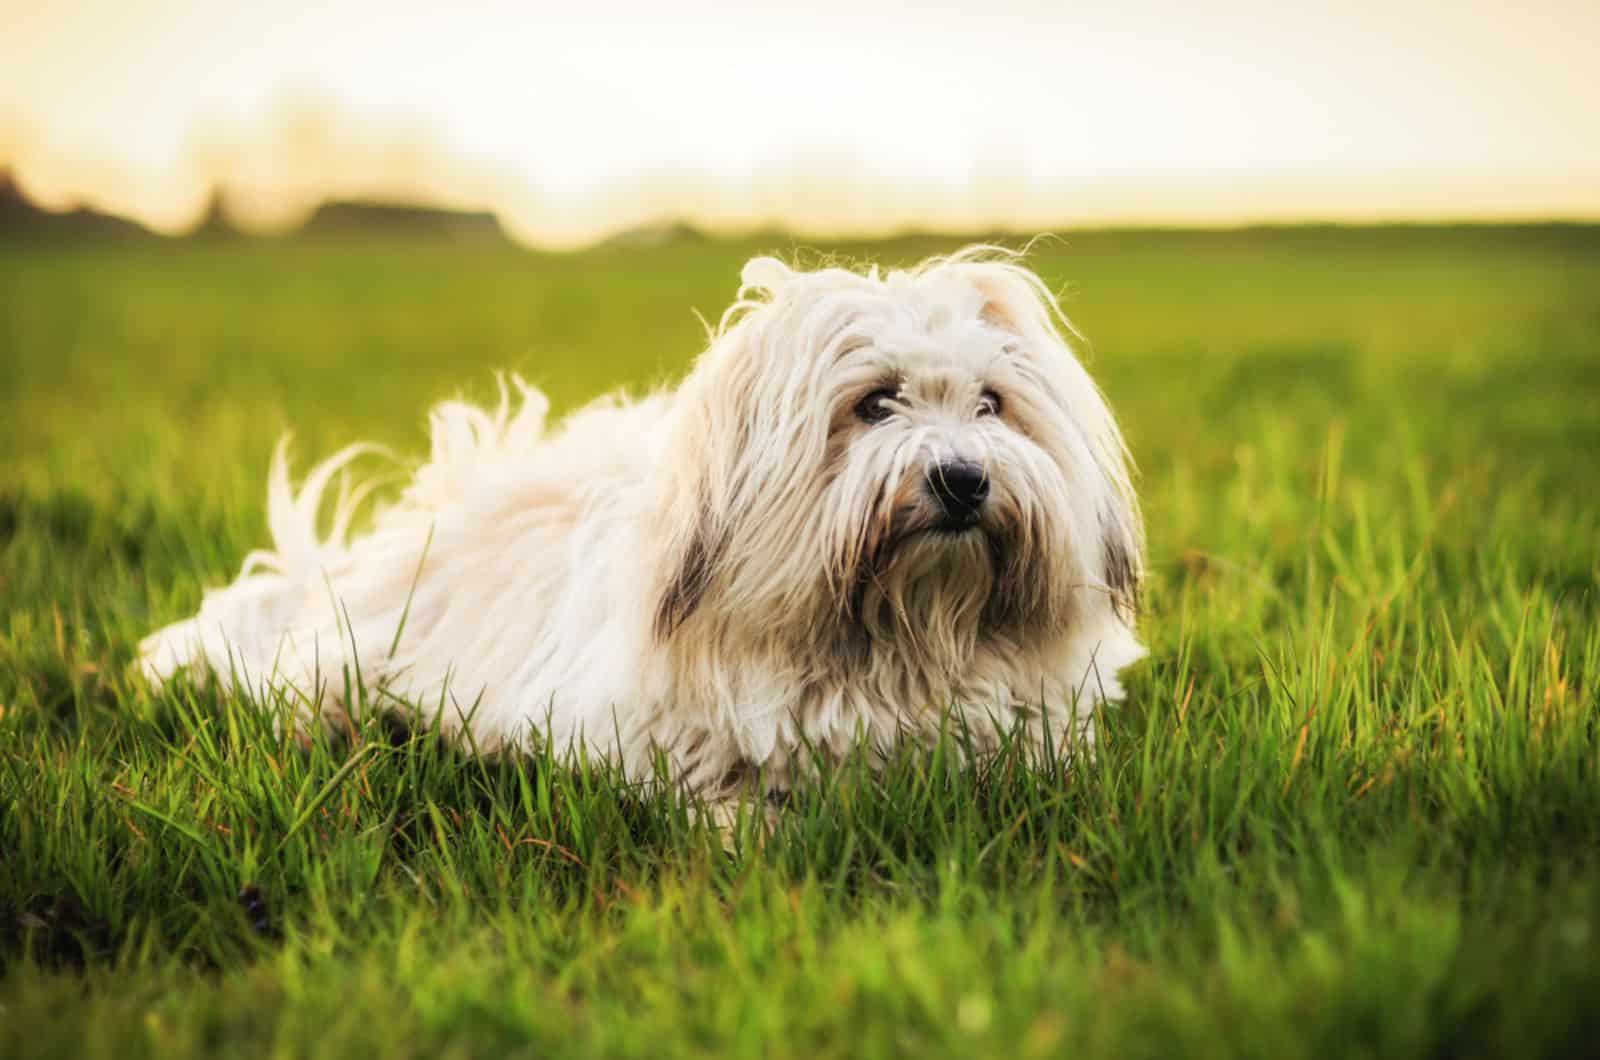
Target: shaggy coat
[741, 572]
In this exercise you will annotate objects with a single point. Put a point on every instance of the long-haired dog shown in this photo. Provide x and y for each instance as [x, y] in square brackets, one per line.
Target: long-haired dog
[878, 505]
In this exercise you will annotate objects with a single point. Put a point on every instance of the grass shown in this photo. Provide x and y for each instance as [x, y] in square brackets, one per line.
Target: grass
[1352, 807]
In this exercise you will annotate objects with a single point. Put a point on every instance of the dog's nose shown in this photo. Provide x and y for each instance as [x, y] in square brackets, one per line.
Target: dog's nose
[960, 487]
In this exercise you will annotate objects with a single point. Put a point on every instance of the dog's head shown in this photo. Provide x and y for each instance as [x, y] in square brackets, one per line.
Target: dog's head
[914, 458]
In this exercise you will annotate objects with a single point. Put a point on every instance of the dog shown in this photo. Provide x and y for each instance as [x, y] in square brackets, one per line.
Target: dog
[880, 504]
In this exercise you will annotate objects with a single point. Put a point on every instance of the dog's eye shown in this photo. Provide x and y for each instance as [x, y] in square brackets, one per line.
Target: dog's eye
[874, 407]
[989, 404]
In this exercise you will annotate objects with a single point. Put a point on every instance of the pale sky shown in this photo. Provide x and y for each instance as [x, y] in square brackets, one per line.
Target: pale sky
[574, 120]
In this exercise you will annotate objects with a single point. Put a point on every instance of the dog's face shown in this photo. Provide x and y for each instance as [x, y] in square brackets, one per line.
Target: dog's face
[916, 461]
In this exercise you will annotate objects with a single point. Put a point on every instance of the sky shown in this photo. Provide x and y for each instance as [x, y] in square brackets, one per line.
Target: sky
[573, 121]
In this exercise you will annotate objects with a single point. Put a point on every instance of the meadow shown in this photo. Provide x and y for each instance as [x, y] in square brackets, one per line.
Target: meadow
[1352, 806]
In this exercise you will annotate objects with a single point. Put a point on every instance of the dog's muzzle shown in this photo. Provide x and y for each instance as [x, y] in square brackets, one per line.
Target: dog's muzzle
[960, 487]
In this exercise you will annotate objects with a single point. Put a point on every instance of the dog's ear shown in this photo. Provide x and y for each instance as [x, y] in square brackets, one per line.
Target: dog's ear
[767, 275]
[999, 312]
[1122, 556]
[694, 530]
[691, 564]
[1016, 300]
[1012, 298]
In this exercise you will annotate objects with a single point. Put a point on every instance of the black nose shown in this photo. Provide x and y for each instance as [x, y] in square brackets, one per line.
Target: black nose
[960, 486]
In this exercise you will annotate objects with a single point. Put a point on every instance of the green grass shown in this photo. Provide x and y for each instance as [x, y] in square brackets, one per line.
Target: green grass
[1352, 806]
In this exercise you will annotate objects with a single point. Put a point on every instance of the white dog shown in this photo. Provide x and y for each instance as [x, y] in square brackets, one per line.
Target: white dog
[877, 505]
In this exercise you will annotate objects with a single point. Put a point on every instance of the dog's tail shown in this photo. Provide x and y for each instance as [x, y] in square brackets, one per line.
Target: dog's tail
[240, 628]
[237, 625]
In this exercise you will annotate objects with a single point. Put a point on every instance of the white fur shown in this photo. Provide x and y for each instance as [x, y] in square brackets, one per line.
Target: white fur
[737, 573]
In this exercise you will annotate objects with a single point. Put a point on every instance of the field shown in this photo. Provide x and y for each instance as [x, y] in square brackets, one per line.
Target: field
[1351, 808]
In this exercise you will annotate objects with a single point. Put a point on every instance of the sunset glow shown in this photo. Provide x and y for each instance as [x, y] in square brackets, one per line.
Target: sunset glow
[846, 118]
